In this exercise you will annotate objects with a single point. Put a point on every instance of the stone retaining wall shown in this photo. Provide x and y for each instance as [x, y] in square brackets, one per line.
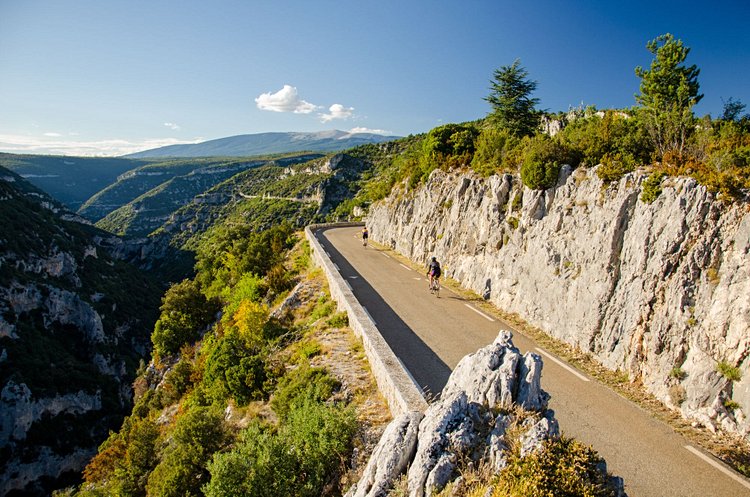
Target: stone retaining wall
[394, 381]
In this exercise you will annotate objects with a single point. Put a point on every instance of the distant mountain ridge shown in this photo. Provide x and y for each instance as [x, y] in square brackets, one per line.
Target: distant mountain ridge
[267, 143]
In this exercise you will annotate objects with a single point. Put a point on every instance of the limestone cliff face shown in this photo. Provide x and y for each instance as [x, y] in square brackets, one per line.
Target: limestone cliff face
[659, 290]
[74, 322]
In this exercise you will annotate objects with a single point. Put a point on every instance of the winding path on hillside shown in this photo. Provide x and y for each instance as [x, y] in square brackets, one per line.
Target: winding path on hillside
[430, 335]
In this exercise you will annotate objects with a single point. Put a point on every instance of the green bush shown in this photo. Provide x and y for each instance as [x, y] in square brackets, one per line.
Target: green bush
[185, 313]
[302, 382]
[323, 308]
[542, 159]
[198, 434]
[495, 152]
[339, 320]
[299, 458]
[677, 373]
[563, 468]
[728, 371]
[233, 369]
[615, 166]
[652, 187]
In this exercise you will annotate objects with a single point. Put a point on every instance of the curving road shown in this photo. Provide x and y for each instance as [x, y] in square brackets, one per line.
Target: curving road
[430, 335]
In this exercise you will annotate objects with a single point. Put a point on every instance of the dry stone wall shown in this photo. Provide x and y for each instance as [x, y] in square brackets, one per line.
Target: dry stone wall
[660, 290]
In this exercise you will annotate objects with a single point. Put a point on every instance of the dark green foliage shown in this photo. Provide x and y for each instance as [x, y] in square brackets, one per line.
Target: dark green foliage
[71, 180]
[542, 160]
[182, 469]
[300, 458]
[513, 108]
[592, 137]
[185, 314]
[669, 90]
[496, 151]
[450, 139]
[652, 187]
[563, 468]
[732, 110]
[228, 252]
[303, 382]
[233, 369]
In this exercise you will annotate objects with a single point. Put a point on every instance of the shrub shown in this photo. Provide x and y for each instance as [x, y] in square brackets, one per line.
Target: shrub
[564, 467]
[615, 166]
[677, 373]
[494, 152]
[543, 157]
[303, 382]
[279, 279]
[183, 467]
[185, 313]
[652, 187]
[299, 458]
[339, 320]
[233, 369]
[728, 371]
[323, 308]
[731, 405]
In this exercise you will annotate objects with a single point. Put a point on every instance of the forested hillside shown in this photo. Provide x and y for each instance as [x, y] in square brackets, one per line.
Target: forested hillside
[74, 324]
[70, 180]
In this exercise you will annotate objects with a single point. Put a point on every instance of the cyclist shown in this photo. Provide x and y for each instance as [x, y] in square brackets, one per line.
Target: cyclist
[365, 236]
[433, 271]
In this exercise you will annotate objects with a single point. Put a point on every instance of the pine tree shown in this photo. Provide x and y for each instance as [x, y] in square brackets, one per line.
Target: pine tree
[513, 107]
[669, 90]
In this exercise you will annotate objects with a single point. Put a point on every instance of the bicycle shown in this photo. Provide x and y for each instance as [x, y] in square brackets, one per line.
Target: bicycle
[435, 287]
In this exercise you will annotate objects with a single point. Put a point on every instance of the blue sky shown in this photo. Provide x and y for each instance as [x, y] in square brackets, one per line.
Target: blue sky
[94, 77]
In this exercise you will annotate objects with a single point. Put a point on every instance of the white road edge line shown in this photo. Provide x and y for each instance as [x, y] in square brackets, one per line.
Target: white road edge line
[369, 316]
[562, 364]
[405, 267]
[485, 316]
[718, 466]
[337, 267]
[386, 255]
[348, 285]
[329, 255]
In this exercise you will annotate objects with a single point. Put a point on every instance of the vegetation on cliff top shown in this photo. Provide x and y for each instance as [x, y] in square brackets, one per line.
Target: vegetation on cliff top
[661, 133]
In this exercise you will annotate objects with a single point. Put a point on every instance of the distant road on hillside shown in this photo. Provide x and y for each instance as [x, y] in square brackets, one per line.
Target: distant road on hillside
[430, 335]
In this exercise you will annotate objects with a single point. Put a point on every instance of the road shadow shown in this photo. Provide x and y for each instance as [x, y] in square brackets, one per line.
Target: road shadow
[427, 369]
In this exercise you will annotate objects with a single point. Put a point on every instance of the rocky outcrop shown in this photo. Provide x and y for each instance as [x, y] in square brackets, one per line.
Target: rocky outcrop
[470, 422]
[660, 290]
[73, 325]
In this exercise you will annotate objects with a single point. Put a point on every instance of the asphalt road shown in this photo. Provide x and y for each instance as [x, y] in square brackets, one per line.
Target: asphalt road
[430, 335]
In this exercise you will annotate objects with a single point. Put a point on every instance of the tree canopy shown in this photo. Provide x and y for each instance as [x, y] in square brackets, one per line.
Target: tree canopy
[513, 108]
[669, 90]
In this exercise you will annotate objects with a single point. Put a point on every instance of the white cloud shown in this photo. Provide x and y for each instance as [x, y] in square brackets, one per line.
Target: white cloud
[285, 100]
[337, 111]
[52, 135]
[172, 126]
[368, 130]
[25, 144]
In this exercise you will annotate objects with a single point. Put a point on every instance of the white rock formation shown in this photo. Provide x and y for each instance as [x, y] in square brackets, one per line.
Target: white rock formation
[659, 290]
[461, 425]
